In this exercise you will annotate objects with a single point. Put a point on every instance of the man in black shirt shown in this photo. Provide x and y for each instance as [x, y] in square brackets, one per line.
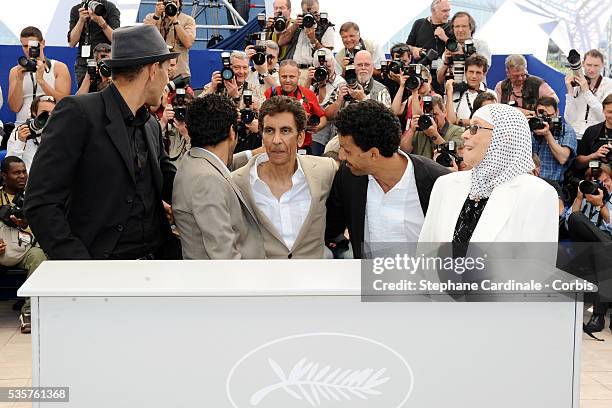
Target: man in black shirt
[87, 29]
[98, 181]
[432, 33]
[596, 143]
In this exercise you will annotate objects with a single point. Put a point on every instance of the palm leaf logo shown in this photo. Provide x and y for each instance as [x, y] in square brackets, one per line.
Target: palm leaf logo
[310, 382]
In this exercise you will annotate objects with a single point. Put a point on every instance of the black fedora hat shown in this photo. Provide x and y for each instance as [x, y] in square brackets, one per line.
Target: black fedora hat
[138, 45]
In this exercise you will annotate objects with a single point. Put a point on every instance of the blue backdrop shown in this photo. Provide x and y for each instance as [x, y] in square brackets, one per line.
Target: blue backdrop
[204, 62]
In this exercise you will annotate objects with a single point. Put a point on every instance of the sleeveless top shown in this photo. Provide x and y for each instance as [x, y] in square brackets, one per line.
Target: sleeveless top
[29, 83]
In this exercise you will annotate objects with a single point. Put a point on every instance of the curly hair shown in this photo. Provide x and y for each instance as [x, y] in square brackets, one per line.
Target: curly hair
[280, 104]
[209, 120]
[370, 124]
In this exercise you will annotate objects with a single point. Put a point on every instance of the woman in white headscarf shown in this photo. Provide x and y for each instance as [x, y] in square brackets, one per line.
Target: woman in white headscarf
[498, 200]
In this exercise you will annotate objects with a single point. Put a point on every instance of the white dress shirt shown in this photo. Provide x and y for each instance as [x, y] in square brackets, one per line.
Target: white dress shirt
[576, 106]
[289, 213]
[24, 150]
[395, 216]
[303, 50]
[466, 100]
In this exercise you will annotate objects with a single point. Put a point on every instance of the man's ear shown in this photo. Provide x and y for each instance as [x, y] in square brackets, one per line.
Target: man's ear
[374, 153]
[301, 137]
[232, 134]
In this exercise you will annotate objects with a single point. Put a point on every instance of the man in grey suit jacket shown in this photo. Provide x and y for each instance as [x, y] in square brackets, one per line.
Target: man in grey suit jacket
[287, 191]
[213, 219]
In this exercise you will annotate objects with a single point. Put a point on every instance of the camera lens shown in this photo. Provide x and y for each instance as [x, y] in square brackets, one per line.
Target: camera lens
[104, 69]
[280, 24]
[259, 58]
[308, 21]
[321, 74]
[227, 74]
[536, 123]
[350, 75]
[247, 116]
[444, 159]
[170, 8]
[588, 187]
[97, 8]
[413, 82]
[395, 67]
[314, 120]
[29, 65]
[425, 122]
[452, 45]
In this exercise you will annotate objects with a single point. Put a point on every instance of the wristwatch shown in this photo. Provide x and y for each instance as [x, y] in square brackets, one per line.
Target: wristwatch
[155, 17]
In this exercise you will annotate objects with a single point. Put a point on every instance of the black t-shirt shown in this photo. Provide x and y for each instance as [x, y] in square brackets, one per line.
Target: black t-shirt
[594, 137]
[422, 35]
[92, 34]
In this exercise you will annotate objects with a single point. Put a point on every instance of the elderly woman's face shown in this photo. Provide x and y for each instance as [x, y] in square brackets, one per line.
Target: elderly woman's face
[476, 145]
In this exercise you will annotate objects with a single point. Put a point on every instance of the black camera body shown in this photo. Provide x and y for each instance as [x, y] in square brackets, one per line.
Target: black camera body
[170, 8]
[313, 121]
[448, 153]
[247, 114]
[179, 104]
[555, 123]
[426, 120]
[414, 72]
[29, 63]
[37, 125]
[280, 23]
[592, 185]
[321, 73]
[427, 57]
[97, 71]
[16, 209]
[351, 55]
[227, 73]
[308, 20]
[258, 41]
[95, 7]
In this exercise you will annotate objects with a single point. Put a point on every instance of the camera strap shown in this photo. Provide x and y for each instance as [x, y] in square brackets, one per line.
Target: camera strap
[594, 91]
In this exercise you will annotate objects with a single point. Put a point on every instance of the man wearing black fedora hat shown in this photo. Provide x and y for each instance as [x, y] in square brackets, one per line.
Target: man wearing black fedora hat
[97, 183]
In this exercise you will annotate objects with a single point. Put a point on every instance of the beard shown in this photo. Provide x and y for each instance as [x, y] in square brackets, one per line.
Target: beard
[363, 78]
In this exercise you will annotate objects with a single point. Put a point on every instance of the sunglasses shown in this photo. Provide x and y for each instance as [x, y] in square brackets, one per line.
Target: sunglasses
[474, 128]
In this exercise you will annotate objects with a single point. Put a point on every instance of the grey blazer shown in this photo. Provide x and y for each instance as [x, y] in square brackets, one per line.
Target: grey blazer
[213, 219]
[310, 242]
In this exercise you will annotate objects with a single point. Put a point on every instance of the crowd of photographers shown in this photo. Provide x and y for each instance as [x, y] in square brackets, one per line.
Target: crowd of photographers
[432, 83]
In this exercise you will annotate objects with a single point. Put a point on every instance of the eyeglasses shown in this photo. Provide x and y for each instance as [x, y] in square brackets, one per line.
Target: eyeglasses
[474, 128]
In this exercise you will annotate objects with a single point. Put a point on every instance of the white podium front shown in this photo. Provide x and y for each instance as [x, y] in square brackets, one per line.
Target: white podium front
[285, 334]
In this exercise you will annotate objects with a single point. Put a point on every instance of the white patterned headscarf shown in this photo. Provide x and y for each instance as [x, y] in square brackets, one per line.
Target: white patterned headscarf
[510, 152]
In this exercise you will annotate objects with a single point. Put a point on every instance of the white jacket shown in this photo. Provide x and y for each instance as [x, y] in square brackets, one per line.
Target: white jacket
[526, 209]
[25, 151]
[576, 104]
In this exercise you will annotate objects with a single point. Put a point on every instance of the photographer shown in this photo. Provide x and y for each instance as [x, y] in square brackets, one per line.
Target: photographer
[25, 138]
[177, 28]
[353, 43]
[585, 92]
[460, 99]
[325, 83]
[461, 47]
[18, 246]
[596, 143]
[406, 108]
[264, 76]
[430, 129]
[432, 33]
[366, 87]
[235, 87]
[520, 88]
[102, 77]
[281, 19]
[35, 75]
[401, 57]
[303, 39]
[289, 74]
[551, 140]
[588, 220]
[91, 23]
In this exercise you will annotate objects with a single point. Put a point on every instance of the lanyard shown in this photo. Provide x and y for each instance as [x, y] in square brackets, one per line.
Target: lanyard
[594, 91]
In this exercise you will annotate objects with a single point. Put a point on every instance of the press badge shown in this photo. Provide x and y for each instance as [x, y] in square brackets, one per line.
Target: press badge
[86, 51]
[25, 238]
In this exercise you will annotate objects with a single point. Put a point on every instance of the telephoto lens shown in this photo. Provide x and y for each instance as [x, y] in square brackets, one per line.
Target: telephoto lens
[95, 7]
[308, 21]
[170, 8]
[104, 69]
[280, 23]
[452, 45]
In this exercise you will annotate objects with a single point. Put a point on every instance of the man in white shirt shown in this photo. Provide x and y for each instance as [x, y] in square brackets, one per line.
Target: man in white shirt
[381, 194]
[583, 106]
[460, 99]
[287, 191]
[264, 76]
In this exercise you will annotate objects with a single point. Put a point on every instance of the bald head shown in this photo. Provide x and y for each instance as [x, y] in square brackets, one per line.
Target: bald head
[364, 66]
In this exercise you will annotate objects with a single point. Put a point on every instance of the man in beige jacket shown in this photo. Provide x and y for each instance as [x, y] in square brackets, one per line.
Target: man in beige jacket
[213, 219]
[287, 192]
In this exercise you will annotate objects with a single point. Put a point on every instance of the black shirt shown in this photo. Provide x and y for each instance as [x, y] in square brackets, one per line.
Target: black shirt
[92, 34]
[422, 35]
[143, 232]
[594, 137]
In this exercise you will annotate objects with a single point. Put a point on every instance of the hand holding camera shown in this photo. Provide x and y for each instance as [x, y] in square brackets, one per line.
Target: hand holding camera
[167, 117]
[357, 92]
[602, 152]
[596, 200]
[23, 133]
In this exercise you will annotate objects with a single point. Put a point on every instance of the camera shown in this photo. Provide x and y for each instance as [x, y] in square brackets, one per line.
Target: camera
[280, 23]
[92, 68]
[178, 82]
[351, 55]
[415, 76]
[15, 209]
[395, 66]
[539, 122]
[426, 57]
[452, 45]
[94, 6]
[308, 20]
[261, 20]
[323, 18]
[426, 119]
[575, 64]
[258, 41]
[321, 74]
[37, 125]
[29, 63]
[350, 76]
[448, 153]
[179, 104]
[170, 8]
[247, 115]
[593, 185]
[470, 48]
[226, 72]
[313, 121]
